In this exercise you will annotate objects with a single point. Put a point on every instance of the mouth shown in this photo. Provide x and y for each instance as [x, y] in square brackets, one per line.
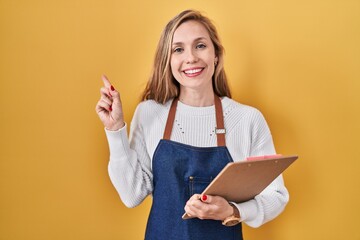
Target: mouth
[193, 72]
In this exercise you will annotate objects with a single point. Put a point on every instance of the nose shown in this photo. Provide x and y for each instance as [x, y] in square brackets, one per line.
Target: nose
[191, 57]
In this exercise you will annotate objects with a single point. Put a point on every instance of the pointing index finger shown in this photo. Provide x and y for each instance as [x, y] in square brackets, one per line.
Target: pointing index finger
[107, 83]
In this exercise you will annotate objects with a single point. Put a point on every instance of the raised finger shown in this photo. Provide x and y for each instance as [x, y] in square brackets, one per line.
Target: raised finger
[106, 81]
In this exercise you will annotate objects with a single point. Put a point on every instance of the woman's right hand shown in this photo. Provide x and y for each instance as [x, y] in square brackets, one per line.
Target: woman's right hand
[109, 108]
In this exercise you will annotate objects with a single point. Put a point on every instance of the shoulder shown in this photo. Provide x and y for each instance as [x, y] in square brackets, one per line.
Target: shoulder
[149, 106]
[150, 109]
[244, 118]
[234, 109]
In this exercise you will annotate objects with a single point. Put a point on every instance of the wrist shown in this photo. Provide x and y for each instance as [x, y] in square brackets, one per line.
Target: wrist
[234, 210]
[229, 211]
[233, 218]
[116, 127]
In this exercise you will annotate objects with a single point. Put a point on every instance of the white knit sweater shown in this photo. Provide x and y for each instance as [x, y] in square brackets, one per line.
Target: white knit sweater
[247, 134]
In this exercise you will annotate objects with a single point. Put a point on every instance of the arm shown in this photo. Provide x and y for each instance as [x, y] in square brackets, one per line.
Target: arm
[129, 165]
[272, 201]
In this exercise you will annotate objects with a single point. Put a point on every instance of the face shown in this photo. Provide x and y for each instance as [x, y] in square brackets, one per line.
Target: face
[193, 57]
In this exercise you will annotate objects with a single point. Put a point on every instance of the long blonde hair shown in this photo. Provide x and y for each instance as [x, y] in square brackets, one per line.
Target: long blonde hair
[162, 85]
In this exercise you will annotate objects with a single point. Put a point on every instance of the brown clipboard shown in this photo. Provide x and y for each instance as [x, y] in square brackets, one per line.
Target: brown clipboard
[241, 181]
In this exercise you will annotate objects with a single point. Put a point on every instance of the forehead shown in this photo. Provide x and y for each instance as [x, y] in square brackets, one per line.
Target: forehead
[190, 30]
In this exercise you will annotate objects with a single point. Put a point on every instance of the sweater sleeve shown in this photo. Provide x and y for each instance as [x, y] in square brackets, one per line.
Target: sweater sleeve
[273, 199]
[130, 165]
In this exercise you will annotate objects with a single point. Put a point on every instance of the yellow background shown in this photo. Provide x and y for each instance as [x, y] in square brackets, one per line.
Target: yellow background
[296, 61]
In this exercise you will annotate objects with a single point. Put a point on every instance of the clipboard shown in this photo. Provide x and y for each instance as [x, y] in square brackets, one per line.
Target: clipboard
[241, 181]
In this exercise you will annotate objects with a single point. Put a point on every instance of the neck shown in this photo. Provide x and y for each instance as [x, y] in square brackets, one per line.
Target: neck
[197, 99]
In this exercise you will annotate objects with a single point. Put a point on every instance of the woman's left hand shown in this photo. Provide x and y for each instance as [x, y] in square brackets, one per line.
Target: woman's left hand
[208, 207]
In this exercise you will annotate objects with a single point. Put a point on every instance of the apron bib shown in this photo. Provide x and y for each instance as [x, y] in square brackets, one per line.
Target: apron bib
[179, 171]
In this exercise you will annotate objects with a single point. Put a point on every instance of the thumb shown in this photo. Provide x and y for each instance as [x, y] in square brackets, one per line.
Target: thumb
[206, 198]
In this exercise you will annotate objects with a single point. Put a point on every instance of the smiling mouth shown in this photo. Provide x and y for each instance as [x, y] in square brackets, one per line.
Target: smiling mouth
[193, 72]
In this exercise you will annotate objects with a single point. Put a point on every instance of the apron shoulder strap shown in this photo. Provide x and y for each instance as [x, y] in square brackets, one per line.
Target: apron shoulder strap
[220, 129]
[170, 120]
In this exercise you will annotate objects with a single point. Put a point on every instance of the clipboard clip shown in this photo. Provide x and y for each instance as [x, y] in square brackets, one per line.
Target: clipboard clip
[263, 157]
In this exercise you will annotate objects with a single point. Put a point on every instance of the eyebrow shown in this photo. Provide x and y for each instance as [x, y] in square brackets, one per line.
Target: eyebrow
[195, 40]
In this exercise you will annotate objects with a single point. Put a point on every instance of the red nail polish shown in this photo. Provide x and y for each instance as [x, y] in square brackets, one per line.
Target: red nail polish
[110, 108]
[204, 197]
[112, 88]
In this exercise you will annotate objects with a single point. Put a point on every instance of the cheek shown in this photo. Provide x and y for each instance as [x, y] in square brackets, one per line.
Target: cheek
[174, 65]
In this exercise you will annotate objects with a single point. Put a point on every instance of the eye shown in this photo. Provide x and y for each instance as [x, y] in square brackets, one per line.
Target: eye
[178, 50]
[201, 45]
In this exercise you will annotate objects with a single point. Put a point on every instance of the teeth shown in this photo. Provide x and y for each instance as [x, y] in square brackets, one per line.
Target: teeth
[192, 71]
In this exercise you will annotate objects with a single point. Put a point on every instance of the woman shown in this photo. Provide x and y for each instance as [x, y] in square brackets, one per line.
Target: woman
[178, 141]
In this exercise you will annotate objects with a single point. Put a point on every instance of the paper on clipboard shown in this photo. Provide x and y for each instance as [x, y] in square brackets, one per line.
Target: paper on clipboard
[241, 181]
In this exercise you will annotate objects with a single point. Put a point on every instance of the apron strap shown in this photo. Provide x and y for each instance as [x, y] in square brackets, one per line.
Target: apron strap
[219, 130]
[170, 119]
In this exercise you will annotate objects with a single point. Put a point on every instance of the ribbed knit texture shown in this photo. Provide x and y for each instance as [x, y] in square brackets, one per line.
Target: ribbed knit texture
[247, 134]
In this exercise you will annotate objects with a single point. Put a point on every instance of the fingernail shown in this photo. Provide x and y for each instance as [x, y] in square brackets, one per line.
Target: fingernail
[112, 88]
[110, 108]
[203, 198]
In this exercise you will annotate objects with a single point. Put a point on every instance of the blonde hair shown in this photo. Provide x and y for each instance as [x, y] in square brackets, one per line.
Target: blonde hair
[162, 85]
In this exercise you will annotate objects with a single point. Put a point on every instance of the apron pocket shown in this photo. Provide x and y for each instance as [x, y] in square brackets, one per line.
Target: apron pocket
[198, 184]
